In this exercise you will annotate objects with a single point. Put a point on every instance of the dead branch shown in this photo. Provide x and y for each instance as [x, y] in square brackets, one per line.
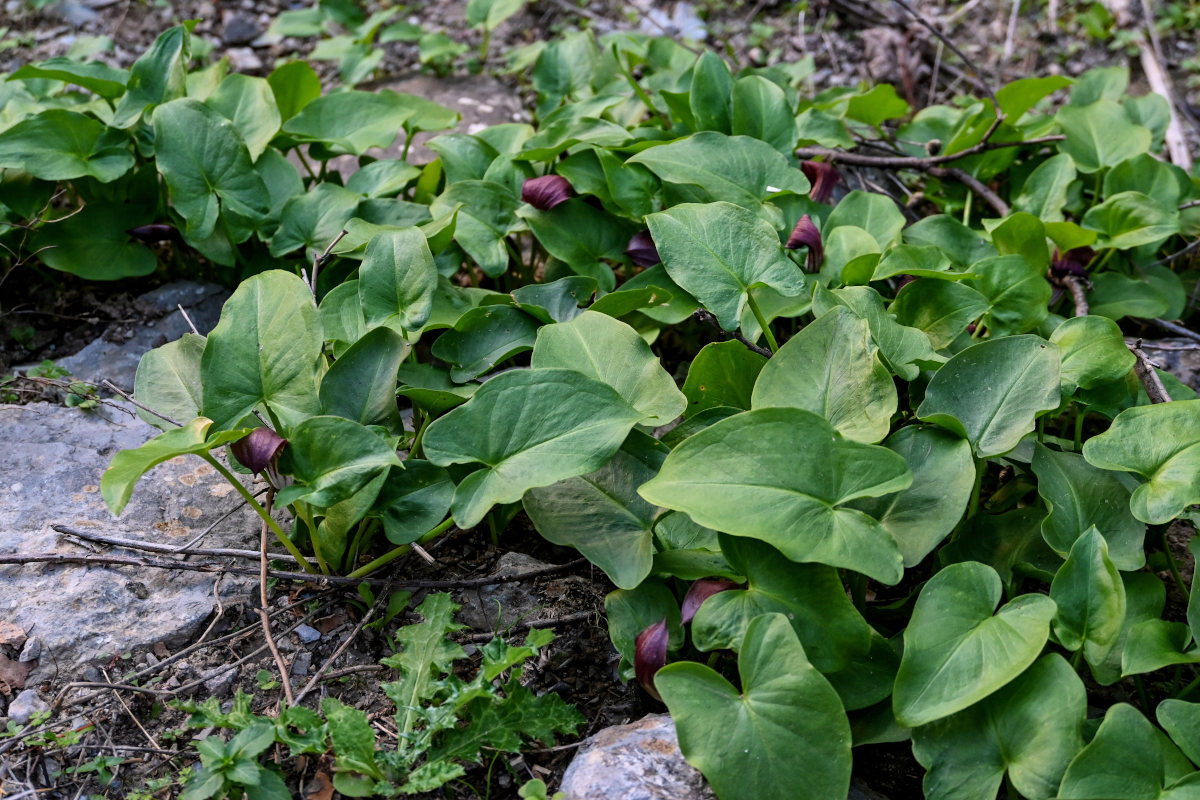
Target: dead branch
[1178, 330]
[1075, 286]
[975, 185]
[703, 315]
[919, 162]
[1144, 368]
[149, 547]
[21, 559]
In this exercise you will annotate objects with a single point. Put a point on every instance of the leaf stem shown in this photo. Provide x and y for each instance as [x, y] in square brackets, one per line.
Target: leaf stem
[305, 513]
[762, 322]
[415, 450]
[304, 161]
[396, 552]
[973, 506]
[262, 512]
[1166, 546]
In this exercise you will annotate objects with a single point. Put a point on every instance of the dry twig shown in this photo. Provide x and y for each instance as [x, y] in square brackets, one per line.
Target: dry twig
[1144, 368]
[264, 614]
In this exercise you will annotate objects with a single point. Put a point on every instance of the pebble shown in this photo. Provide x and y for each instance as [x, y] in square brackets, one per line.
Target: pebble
[307, 633]
[25, 705]
[219, 684]
[240, 29]
[32, 650]
[301, 664]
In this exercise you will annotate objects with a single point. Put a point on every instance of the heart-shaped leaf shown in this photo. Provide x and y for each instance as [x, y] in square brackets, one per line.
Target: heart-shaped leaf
[61, 145]
[1090, 598]
[786, 477]
[249, 104]
[942, 309]
[601, 514]
[1131, 219]
[760, 110]
[206, 166]
[718, 251]
[920, 516]
[397, 280]
[956, 652]
[93, 243]
[991, 393]
[1081, 496]
[95, 76]
[786, 721]
[529, 428]
[116, 485]
[413, 500]
[332, 458]
[1093, 352]
[736, 169]
[1044, 192]
[721, 374]
[1181, 721]
[1017, 293]
[264, 349]
[874, 213]
[611, 352]
[1031, 729]
[361, 384]
[482, 338]
[810, 596]
[351, 121]
[903, 349]
[1127, 759]
[168, 380]
[832, 368]
[1162, 444]
[1100, 135]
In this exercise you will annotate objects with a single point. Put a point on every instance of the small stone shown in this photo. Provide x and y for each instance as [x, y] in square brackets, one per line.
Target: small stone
[641, 759]
[25, 705]
[243, 59]
[300, 666]
[219, 684]
[90, 673]
[307, 633]
[240, 29]
[32, 650]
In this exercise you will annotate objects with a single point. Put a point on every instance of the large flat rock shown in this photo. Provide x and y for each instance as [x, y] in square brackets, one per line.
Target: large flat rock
[82, 614]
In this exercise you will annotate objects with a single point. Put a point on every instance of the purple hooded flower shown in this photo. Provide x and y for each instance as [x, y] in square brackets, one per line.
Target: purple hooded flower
[258, 450]
[805, 234]
[154, 232]
[823, 178]
[546, 192]
[641, 250]
[1073, 262]
[650, 655]
[700, 591]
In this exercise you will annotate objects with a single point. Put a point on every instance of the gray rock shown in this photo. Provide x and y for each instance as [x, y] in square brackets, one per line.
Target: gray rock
[642, 761]
[54, 458]
[240, 29]
[307, 633]
[301, 664]
[219, 685]
[638, 761]
[25, 705]
[31, 651]
[115, 355]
